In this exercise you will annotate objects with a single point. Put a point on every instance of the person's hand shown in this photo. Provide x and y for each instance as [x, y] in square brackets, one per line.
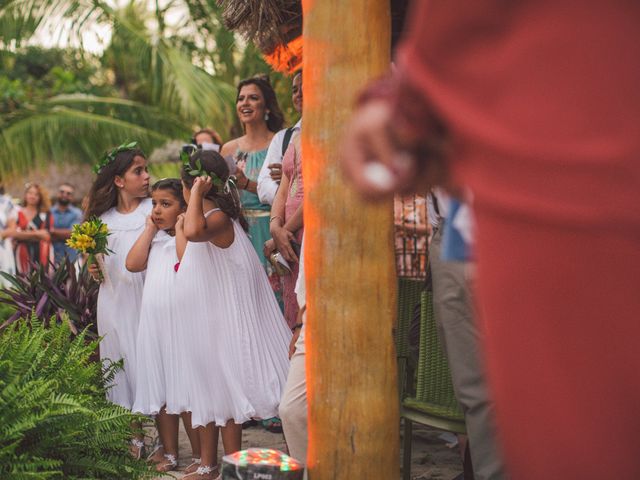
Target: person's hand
[241, 178]
[268, 248]
[380, 160]
[43, 235]
[292, 343]
[201, 186]
[150, 225]
[6, 233]
[370, 158]
[275, 171]
[94, 271]
[283, 238]
[180, 222]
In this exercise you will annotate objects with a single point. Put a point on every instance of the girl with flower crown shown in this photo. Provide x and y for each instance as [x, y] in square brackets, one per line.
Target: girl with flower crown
[119, 196]
[234, 337]
[157, 252]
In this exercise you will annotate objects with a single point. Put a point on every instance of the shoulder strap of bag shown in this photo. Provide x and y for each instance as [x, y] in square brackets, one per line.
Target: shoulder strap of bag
[287, 138]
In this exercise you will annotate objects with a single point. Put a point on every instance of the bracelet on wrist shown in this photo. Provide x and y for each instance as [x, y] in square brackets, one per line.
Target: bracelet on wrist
[296, 326]
[246, 184]
[274, 217]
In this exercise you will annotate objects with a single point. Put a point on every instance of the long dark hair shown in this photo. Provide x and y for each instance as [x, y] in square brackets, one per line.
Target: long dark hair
[103, 194]
[276, 118]
[213, 164]
[173, 185]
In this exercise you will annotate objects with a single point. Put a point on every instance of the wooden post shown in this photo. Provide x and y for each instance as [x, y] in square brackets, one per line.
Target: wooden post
[351, 283]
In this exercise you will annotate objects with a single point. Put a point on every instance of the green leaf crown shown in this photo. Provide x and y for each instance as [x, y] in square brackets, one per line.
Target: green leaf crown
[110, 156]
[199, 171]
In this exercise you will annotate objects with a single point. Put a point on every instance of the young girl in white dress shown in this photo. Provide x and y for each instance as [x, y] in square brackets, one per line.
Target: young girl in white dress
[119, 196]
[157, 251]
[235, 350]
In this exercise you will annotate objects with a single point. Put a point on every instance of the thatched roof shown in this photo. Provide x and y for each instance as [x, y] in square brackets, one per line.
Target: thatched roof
[275, 27]
[267, 23]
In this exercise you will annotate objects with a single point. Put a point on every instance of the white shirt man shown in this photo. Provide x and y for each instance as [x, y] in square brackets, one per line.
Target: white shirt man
[271, 171]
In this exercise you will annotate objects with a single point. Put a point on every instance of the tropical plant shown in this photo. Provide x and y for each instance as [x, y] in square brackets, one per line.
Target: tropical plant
[62, 293]
[55, 421]
[168, 79]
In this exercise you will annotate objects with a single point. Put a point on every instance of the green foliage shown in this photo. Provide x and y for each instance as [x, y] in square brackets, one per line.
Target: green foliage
[154, 83]
[164, 170]
[63, 294]
[55, 421]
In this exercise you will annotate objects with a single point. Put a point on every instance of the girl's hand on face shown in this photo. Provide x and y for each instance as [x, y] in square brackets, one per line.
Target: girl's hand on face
[150, 225]
[201, 186]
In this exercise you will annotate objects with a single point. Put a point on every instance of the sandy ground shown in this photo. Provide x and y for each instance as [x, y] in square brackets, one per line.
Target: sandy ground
[431, 457]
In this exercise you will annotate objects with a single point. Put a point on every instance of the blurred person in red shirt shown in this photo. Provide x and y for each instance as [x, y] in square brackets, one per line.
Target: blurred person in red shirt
[534, 106]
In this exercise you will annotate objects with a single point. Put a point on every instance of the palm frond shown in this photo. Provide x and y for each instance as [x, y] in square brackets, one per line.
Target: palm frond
[21, 19]
[62, 133]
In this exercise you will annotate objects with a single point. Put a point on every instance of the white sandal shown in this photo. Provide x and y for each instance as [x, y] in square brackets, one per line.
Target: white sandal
[204, 470]
[157, 448]
[139, 445]
[167, 465]
[193, 466]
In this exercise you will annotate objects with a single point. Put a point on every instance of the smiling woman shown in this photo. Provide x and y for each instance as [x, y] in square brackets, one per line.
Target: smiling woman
[258, 110]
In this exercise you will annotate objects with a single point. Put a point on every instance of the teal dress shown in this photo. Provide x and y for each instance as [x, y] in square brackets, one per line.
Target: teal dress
[258, 215]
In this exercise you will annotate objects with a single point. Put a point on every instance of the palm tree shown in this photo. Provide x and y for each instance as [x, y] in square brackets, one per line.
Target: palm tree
[171, 78]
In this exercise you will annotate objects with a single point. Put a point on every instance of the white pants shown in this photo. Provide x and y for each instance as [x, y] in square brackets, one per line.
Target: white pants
[293, 405]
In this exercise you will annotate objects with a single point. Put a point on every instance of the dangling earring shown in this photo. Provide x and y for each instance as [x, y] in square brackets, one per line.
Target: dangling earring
[266, 117]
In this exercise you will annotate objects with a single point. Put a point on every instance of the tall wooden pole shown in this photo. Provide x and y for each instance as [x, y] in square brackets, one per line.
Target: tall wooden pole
[351, 284]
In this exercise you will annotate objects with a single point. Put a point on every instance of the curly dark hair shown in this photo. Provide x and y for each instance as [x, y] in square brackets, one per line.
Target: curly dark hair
[276, 117]
[213, 163]
[103, 194]
[173, 185]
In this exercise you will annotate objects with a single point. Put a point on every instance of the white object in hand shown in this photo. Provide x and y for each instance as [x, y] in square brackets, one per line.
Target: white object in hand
[378, 175]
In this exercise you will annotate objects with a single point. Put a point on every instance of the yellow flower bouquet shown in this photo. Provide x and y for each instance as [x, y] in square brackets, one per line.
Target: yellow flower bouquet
[90, 238]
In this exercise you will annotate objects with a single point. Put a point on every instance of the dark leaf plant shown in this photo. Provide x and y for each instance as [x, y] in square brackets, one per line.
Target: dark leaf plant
[63, 293]
[55, 421]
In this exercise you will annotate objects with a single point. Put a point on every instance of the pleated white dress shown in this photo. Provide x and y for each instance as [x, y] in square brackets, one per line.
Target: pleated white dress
[156, 350]
[119, 301]
[234, 339]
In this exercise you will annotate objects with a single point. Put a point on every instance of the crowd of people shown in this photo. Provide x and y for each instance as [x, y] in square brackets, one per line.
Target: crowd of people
[33, 232]
[197, 297]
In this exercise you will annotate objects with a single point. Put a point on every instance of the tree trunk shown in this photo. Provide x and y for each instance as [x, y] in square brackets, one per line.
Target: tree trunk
[351, 283]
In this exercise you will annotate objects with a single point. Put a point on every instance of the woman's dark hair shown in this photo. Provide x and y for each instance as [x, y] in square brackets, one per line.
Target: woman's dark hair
[173, 185]
[276, 118]
[103, 194]
[213, 164]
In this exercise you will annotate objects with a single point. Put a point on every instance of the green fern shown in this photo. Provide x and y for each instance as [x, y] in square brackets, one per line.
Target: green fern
[55, 421]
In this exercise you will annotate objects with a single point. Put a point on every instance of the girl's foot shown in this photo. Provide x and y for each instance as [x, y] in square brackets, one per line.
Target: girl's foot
[169, 463]
[136, 448]
[157, 455]
[193, 466]
[203, 473]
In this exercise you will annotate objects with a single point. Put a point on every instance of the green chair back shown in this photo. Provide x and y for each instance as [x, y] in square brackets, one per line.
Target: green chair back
[434, 390]
[409, 291]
